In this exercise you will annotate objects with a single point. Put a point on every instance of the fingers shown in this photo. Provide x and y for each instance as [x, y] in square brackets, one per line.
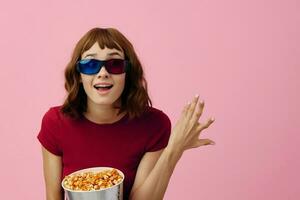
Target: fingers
[200, 127]
[198, 112]
[202, 142]
[192, 107]
[208, 123]
[193, 111]
[185, 110]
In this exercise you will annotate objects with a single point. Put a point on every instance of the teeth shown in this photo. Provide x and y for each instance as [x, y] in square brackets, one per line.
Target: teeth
[103, 86]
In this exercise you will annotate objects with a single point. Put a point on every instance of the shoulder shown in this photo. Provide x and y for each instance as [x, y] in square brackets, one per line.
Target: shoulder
[156, 116]
[158, 129]
[53, 114]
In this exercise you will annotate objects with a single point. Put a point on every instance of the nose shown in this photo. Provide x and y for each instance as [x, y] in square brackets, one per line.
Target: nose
[103, 72]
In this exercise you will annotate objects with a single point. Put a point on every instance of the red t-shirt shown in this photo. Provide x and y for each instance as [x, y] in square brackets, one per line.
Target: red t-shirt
[82, 143]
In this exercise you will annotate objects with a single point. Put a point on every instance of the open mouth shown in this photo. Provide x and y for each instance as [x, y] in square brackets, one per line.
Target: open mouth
[103, 87]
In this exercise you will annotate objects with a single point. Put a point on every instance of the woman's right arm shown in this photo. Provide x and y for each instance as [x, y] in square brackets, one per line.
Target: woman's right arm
[52, 166]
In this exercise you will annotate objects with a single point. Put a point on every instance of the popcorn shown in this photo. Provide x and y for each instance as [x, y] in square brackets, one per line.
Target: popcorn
[91, 181]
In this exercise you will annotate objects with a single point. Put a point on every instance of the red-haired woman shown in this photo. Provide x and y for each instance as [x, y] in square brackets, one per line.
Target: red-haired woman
[108, 119]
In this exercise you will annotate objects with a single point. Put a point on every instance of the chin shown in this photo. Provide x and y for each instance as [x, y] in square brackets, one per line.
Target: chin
[104, 100]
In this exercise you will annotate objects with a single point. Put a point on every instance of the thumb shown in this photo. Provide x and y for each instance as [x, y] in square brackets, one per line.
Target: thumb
[202, 142]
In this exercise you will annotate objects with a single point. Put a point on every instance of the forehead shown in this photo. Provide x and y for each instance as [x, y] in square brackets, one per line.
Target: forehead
[95, 49]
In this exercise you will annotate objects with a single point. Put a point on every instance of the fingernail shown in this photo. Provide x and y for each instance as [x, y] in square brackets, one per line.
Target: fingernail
[213, 143]
[212, 119]
[197, 95]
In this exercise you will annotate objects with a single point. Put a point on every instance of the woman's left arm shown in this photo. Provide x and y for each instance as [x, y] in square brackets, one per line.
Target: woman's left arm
[152, 184]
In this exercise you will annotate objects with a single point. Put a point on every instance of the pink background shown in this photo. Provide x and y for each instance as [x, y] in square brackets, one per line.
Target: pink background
[241, 56]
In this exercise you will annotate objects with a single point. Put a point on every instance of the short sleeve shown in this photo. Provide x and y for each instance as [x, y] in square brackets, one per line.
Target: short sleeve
[49, 132]
[160, 131]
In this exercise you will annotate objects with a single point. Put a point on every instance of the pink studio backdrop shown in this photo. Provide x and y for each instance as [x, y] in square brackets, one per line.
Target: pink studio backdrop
[241, 56]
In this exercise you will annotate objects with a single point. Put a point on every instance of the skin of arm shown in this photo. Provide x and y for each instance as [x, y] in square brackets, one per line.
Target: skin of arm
[52, 167]
[152, 184]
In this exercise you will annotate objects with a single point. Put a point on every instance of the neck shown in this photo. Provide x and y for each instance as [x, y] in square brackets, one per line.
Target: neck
[102, 113]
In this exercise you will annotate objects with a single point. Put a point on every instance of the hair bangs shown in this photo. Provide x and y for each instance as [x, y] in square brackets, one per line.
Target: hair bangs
[103, 38]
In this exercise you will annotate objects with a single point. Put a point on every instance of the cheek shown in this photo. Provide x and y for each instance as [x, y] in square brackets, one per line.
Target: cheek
[86, 82]
[120, 82]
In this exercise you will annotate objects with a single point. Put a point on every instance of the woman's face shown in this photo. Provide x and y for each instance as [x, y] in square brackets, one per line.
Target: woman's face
[99, 96]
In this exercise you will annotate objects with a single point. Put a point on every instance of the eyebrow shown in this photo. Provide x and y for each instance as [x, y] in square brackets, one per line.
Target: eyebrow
[110, 54]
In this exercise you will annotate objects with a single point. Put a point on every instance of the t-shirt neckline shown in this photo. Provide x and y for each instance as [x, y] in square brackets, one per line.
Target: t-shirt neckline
[120, 121]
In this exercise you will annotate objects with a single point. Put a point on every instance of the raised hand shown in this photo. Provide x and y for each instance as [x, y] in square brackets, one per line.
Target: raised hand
[185, 133]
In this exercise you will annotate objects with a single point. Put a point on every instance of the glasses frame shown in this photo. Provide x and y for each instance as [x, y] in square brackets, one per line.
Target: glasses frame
[102, 63]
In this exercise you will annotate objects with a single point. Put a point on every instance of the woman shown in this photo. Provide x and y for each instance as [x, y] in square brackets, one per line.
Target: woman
[107, 119]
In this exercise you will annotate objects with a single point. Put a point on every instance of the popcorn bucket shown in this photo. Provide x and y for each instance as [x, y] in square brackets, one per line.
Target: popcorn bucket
[97, 183]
